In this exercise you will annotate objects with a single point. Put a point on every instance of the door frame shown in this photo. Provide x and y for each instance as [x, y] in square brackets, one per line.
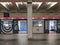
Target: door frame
[47, 30]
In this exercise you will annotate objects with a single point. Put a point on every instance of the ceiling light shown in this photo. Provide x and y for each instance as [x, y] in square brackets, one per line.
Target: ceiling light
[51, 4]
[20, 3]
[5, 4]
[38, 3]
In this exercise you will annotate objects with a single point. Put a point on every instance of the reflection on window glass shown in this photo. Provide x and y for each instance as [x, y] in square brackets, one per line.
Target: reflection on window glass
[7, 23]
[37, 23]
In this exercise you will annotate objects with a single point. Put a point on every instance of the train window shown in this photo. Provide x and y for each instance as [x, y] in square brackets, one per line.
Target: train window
[37, 23]
[23, 25]
[7, 23]
[6, 26]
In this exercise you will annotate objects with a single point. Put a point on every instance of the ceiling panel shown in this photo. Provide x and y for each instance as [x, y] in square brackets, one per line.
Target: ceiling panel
[13, 0]
[46, 0]
[23, 8]
[32, 0]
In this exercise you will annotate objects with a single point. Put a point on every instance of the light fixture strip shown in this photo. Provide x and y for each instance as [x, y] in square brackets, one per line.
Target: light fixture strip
[20, 3]
[5, 4]
[51, 4]
[38, 3]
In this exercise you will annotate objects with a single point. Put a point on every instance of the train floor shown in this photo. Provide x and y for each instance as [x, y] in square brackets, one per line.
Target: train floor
[50, 39]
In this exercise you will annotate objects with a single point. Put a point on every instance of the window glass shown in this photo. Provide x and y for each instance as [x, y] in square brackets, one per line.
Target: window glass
[23, 25]
[37, 23]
